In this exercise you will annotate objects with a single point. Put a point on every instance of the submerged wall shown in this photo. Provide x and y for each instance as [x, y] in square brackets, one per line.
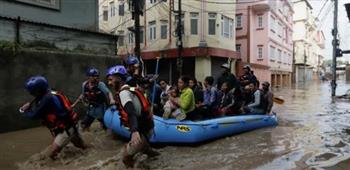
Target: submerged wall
[64, 71]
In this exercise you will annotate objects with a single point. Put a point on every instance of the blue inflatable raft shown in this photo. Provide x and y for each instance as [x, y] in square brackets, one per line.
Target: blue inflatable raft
[173, 131]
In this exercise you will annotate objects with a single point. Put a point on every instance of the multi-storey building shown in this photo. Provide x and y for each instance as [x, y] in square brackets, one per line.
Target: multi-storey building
[264, 38]
[308, 42]
[208, 35]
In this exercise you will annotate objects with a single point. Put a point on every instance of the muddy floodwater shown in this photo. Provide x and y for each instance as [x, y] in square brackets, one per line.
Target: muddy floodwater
[313, 133]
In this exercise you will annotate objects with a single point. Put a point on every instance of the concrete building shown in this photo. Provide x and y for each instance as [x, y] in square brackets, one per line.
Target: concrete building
[264, 39]
[308, 42]
[208, 38]
[68, 13]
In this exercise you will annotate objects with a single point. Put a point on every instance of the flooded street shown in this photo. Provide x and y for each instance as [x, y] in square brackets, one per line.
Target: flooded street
[313, 133]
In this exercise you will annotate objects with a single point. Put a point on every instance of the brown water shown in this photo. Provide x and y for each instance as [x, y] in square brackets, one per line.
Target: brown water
[313, 133]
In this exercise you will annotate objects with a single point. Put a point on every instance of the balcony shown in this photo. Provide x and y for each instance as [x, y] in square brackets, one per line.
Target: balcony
[262, 5]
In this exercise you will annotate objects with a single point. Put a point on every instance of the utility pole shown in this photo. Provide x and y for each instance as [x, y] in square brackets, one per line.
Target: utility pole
[137, 6]
[304, 77]
[335, 43]
[179, 40]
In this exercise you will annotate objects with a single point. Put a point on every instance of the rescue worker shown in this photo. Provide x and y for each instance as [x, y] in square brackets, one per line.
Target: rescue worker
[97, 97]
[248, 77]
[134, 77]
[54, 109]
[135, 114]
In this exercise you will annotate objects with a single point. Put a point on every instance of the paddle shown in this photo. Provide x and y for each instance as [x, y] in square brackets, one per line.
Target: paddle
[154, 85]
[278, 100]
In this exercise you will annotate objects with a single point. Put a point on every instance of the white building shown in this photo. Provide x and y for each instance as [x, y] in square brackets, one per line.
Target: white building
[208, 39]
[308, 42]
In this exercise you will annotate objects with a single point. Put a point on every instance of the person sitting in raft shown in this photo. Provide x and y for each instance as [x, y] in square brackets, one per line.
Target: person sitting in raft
[267, 97]
[165, 91]
[197, 91]
[256, 106]
[170, 109]
[187, 101]
[227, 100]
[211, 98]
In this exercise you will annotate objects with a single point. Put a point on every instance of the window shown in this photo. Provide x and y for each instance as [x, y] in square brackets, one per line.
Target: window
[279, 29]
[105, 13]
[272, 24]
[153, 1]
[141, 35]
[238, 48]
[272, 52]
[152, 30]
[121, 9]
[112, 8]
[164, 29]
[238, 21]
[260, 21]
[279, 56]
[131, 38]
[121, 38]
[182, 22]
[226, 27]
[260, 51]
[194, 23]
[212, 23]
[285, 58]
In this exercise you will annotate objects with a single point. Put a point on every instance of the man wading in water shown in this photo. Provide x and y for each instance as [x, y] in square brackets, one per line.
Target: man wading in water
[54, 109]
[135, 114]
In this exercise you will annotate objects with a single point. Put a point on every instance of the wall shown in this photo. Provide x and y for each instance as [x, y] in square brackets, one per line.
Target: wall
[43, 36]
[73, 13]
[64, 71]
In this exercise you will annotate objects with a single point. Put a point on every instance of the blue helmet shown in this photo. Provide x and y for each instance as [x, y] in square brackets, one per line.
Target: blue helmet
[117, 69]
[132, 60]
[92, 72]
[37, 84]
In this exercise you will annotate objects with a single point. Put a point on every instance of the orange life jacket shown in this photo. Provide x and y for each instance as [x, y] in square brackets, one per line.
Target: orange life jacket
[144, 104]
[53, 122]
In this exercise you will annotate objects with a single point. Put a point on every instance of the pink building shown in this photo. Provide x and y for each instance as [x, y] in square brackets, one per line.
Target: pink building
[264, 39]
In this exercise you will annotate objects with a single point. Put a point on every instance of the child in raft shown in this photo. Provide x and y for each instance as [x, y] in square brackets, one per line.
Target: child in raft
[171, 110]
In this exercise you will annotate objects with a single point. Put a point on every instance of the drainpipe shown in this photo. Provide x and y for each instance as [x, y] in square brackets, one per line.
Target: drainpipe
[248, 35]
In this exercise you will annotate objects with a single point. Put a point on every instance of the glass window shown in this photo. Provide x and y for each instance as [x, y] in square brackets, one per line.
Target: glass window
[272, 52]
[238, 48]
[212, 23]
[194, 23]
[112, 8]
[121, 38]
[164, 29]
[152, 30]
[121, 10]
[226, 27]
[239, 21]
[260, 52]
[260, 21]
[131, 38]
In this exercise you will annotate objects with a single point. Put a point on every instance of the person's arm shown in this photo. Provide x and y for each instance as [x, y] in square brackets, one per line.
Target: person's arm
[256, 99]
[270, 102]
[107, 92]
[80, 98]
[130, 109]
[39, 109]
